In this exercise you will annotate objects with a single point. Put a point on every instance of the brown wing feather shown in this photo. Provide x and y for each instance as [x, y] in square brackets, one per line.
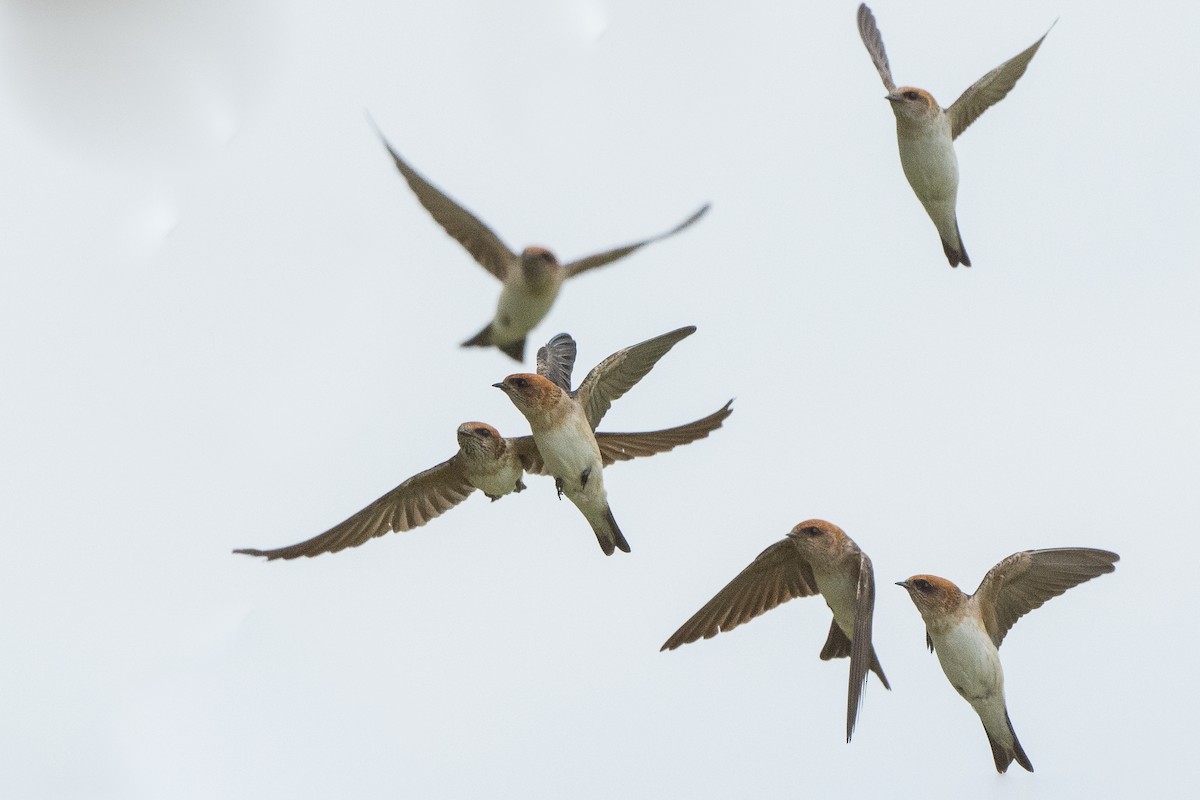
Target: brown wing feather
[990, 89]
[862, 654]
[778, 574]
[626, 446]
[467, 229]
[1026, 580]
[527, 451]
[556, 360]
[609, 256]
[871, 37]
[617, 374]
[411, 504]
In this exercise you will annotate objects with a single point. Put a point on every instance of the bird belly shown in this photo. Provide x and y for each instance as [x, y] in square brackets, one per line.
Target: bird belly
[521, 308]
[840, 590]
[971, 663]
[499, 480]
[932, 170]
[568, 452]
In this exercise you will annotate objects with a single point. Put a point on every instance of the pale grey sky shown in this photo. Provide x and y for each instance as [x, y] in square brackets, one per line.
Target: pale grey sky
[228, 323]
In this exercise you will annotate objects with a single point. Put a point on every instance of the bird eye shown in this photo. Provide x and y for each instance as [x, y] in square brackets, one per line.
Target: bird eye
[813, 531]
[520, 382]
[922, 584]
[484, 432]
[911, 96]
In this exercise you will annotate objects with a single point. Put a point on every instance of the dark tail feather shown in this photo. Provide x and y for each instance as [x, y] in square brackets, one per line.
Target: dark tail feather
[837, 645]
[481, 339]
[956, 255]
[878, 670]
[1019, 752]
[609, 535]
[514, 349]
[1001, 756]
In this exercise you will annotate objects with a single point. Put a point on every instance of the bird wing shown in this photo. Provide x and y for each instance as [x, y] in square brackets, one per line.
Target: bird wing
[527, 451]
[874, 42]
[617, 374]
[626, 446]
[556, 361]
[990, 89]
[860, 647]
[478, 239]
[609, 256]
[1025, 580]
[410, 505]
[778, 574]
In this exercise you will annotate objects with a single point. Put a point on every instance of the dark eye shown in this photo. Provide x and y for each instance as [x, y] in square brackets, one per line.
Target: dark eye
[922, 585]
[813, 531]
[484, 432]
[520, 382]
[911, 96]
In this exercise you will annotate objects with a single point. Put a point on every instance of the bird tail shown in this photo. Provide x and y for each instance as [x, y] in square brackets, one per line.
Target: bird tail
[837, 645]
[1005, 756]
[481, 339]
[955, 252]
[515, 350]
[878, 670]
[608, 534]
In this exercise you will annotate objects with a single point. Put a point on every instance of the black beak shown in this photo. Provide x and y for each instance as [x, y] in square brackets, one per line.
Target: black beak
[902, 583]
[498, 385]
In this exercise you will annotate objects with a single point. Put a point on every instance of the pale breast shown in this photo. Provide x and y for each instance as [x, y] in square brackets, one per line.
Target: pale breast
[500, 479]
[521, 307]
[569, 449]
[930, 164]
[970, 660]
[840, 590]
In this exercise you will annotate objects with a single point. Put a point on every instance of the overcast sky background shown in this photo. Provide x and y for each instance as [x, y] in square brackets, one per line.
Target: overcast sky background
[228, 323]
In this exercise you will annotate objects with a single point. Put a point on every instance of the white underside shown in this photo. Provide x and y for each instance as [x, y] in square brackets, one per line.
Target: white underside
[931, 167]
[569, 451]
[520, 309]
[972, 664]
[498, 482]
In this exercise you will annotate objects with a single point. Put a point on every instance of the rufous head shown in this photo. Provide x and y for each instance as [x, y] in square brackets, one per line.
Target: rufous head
[912, 104]
[530, 393]
[538, 264]
[479, 437]
[818, 538]
[933, 596]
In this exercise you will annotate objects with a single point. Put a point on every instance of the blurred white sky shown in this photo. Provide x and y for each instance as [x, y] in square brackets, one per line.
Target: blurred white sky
[227, 323]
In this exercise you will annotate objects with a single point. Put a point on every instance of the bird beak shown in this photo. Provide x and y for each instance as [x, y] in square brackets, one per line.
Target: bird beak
[893, 98]
[902, 583]
[500, 386]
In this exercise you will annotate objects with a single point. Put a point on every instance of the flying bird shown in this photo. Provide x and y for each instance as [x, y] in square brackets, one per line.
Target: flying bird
[816, 557]
[484, 461]
[563, 421]
[966, 630]
[531, 280]
[925, 131]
